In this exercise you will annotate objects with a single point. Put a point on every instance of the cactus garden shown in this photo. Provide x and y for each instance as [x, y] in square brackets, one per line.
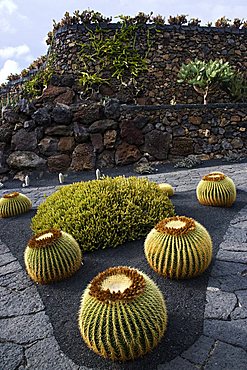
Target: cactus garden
[117, 254]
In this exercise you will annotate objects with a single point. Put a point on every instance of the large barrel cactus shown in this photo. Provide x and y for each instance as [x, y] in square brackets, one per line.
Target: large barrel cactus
[122, 314]
[13, 204]
[51, 256]
[178, 247]
[216, 189]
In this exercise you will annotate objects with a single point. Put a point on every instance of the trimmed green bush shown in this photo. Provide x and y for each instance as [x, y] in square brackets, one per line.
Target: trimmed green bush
[14, 204]
[216, 189]
[178, 247]
[122, 314]
[51, 256]
[106, 213]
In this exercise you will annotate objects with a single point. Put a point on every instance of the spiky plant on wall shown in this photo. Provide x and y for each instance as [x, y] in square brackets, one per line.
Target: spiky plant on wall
[178, 247]
[216, 189]
[122, 314]
[13, 204]
[51, 256]
[105, 213]
[166, 188]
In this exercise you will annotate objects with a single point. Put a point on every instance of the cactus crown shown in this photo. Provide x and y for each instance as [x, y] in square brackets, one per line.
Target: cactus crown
[117, 283]
[45, 238]
[11, 195]
[177, 225]
[214, 176]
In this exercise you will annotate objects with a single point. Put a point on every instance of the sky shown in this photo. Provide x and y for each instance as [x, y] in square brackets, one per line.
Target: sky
[24, 24]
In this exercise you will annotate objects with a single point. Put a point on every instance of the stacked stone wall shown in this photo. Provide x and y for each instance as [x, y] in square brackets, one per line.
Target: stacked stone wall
[170, 47]
[58, 137]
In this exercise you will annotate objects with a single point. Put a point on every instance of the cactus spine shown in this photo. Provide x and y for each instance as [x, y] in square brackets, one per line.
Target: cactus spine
[216, 189]
[166, 188]
[122, 314]
[51, 256]
[13, 204]
[178, 247]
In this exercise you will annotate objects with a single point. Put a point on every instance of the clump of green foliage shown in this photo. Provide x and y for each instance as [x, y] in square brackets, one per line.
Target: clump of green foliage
[206, 77]
[115, 56]
[35, 86]
[105, 213]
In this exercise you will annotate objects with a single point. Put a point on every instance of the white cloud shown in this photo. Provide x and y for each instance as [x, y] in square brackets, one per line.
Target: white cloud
[5, 26]
[8, 6]
[10, 66]
[7, 9]
[10, 51]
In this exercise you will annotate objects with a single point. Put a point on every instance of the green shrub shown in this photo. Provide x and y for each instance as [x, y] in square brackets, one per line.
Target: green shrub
[105, 213]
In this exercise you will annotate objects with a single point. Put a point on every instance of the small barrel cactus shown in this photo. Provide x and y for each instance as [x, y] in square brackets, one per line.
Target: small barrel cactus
[52, 255]
[216, 189]
[13, 204]
[178, 247]
[122, 314]
[166, 188]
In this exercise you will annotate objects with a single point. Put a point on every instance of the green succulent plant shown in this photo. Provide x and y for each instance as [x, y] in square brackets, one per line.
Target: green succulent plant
[51, 256]
[122, 314]
[216, 189]
[106, 213]
[166, 188]
[13, 204]
[206, 76]
[178, 248]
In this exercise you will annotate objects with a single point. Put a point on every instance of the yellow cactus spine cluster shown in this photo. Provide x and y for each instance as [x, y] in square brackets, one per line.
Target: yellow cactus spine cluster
[14, 204]
[178, 247]
[216, 189]
[122, 314]
[52, 255]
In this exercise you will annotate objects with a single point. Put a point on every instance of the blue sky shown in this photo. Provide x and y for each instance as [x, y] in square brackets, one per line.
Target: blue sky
[24, 24]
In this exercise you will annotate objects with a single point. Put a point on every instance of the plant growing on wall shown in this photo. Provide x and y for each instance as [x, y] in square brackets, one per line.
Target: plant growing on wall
[179, 20]
[222, 22]
[114, 56]
[206, 77]
[35, 85]
[237, 87]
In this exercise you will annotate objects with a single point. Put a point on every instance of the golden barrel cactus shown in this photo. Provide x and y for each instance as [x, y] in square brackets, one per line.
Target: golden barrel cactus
[122, 314]
[52, 255]
[178, 247]
[13, 204]
[216, 189]
[166, 188]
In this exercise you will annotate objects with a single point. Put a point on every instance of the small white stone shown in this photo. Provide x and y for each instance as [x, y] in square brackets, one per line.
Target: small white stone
[98, 174]
[27, 181]
[61, 178]
[212, 289]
